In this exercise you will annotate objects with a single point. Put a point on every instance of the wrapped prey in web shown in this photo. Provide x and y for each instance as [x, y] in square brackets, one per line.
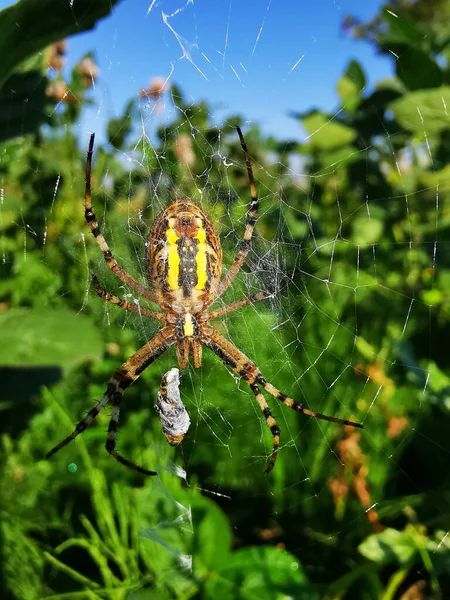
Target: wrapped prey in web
[171, 411]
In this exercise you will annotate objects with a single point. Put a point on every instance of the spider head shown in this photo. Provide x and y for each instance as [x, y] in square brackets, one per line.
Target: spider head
[186, 219]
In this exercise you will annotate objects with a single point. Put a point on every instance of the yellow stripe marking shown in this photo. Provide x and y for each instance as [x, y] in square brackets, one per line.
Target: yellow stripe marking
[200, 258]
[173, 258]
[188, 327]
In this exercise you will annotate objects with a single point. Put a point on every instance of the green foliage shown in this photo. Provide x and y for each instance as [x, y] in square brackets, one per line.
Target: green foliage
[24, 32]
[365, 320]
[118, 129]
[351, 85]
[325, 135]
[259, 573]
[18, 90]
[424, 112]
[25, 103]
[33, 337]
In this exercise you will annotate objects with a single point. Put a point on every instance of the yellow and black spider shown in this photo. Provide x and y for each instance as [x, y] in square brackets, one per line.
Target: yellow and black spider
[184, 259]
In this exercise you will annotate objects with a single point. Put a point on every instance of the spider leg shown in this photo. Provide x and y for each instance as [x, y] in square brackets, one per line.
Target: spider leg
[119, 382]
[223, 310]
[183, 353]
[112, 433]
[197, 353]
[85, 422]
[92, 222]
[249, 226]
[247, 369]
[272, 424]
[126, 305]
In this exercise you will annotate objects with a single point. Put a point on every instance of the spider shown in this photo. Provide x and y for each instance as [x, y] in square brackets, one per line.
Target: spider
[184, 263]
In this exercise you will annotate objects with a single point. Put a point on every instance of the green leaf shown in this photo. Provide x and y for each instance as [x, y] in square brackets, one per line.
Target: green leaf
[439, 178]
[118, 129]
[389, 547]
[417, 70]
[22, 104]
[366, 231]
[212, 535]
[351, 85]
[368, 118]
[342, 156]
[325, 134]
[356, 74]
[438, 380]
[34, 282]
[177, 96]
[432, 297]
[425, 112]
[43, 337]
[10, 207]
[29, 26]
[260, 573]
[401, 30]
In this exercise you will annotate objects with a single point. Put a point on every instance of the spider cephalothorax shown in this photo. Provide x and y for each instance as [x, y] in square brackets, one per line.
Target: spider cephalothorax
[184, 264]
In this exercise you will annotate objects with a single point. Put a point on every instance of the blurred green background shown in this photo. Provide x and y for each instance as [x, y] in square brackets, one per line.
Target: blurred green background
[357, 251]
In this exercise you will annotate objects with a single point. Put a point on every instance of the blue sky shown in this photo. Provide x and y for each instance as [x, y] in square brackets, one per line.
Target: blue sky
[293, 65]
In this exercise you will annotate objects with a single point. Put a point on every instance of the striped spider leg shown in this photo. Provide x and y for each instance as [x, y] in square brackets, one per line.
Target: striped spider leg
[247, 370]
[251, 217]
[119, 382]
[91, 220]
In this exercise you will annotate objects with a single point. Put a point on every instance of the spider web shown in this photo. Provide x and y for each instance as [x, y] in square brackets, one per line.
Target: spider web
[318, 338]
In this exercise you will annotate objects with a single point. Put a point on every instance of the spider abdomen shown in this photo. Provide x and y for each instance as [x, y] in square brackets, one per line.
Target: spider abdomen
[184, 256]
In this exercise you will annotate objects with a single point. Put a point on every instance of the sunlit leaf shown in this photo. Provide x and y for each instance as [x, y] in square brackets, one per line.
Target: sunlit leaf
[351, 85]
[324, 133]
[389, 546]
[260, 573]
[44, 337]
[366, 230]
[425, 112]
